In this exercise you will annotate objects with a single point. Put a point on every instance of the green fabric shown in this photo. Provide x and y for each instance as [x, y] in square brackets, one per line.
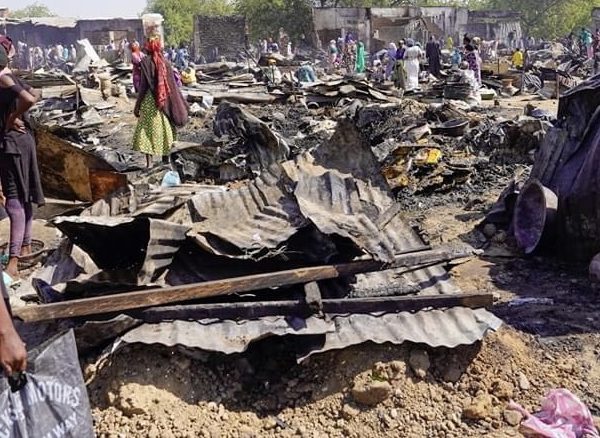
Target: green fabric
[154, 134]
[360, 58]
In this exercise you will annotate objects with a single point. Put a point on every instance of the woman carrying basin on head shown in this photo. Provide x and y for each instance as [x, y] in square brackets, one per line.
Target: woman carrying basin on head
[160, 106]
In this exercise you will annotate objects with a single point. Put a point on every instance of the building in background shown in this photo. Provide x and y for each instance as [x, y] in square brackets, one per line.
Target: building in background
[595, 19]
[376, 27]
[216, 37]
[100, 32]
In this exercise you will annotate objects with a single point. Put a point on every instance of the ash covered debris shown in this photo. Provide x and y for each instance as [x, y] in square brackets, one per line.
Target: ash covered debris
[556, 209]
[314, 209]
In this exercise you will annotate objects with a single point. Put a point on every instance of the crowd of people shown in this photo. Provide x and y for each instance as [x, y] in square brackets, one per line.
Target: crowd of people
[33, 58]
[584, 42]
[402, 61]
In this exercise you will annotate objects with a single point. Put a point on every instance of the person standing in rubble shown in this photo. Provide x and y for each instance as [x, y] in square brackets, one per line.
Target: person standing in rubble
[333, 55]
[400, 74]
[510, 38]
[19, 174]
[159, 104]
[456, 58]
[433, 53]
[518, 59]
[473, 61]
[411, 62]
[73, 54]
[391, 62]
[59, 51]
[360, 63]
[136, 59]
[588, 42]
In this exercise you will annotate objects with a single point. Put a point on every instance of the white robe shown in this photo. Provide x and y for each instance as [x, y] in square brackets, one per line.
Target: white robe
[411, 65]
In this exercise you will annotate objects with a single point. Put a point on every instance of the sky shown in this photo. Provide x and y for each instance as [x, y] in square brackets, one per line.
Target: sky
[85, 8]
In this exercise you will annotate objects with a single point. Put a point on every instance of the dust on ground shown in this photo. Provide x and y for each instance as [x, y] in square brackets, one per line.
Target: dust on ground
[550, 340]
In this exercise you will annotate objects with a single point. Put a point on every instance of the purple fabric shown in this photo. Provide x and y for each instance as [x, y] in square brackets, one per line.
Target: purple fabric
[136, 59]
[21, 220]
[474, 62]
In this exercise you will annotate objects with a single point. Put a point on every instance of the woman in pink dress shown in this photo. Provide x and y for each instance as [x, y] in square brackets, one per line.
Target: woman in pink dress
[136, 59]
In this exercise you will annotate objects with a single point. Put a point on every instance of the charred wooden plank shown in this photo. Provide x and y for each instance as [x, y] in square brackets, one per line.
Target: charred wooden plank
[312, 296]
[178, 294]
[259, 309]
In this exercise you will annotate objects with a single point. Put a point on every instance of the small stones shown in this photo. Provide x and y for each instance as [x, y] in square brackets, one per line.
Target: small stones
[503, 390]
[372, 393]
[524, 382]
[512, 418]
[269, 423]
[419, 363]
[348, 412]
[478, 408]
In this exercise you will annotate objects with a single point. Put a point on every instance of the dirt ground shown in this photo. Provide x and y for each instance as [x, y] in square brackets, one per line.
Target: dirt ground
[549, 340]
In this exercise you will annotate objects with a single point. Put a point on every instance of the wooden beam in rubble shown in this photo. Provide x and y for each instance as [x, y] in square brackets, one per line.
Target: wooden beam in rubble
[179, 294]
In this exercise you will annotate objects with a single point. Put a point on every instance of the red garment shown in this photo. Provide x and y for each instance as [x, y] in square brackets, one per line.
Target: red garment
[154, 49]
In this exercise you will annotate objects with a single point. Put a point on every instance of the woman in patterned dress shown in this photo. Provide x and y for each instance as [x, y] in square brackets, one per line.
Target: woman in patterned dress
[159, 105]
[474, 61]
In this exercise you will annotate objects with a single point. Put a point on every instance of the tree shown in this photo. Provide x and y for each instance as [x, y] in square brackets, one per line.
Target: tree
[266, 17]
[548, 18]
[179, 16]
[33, 10]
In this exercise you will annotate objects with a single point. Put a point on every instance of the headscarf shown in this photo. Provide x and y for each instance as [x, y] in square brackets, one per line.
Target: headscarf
[135, 47]
[154, 49]
[360, 58]
[410, 42]
[136, 56]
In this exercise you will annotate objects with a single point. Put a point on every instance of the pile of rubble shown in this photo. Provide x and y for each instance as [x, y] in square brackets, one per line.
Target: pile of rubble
[300, 216]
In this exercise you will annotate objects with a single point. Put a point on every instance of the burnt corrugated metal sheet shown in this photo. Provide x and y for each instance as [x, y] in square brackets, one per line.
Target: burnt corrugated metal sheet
[247, 222]
[258, 219]
[436, 328]
[157, 202]
[146, 246]
[448, 328]
[224, 336]
[339, 204]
